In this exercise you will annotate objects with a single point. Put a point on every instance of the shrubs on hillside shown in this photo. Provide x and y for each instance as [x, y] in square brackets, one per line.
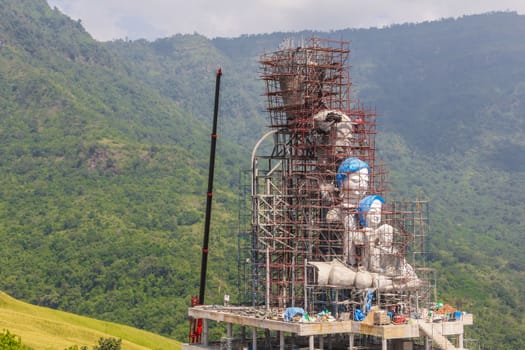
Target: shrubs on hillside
[10, 341]
[103, 344]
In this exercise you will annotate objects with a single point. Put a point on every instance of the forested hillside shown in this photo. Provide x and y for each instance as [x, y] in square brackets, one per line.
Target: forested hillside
[104, 160]
[103, 180]
[452, 98]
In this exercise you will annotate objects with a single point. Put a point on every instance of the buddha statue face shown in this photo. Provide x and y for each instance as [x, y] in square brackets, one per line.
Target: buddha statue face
[352, 179]
[373, 217]
[355, 185]
[369, 211]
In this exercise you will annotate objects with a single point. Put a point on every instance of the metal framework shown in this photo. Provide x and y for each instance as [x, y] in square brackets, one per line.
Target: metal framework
[300, 215]
[322, 234]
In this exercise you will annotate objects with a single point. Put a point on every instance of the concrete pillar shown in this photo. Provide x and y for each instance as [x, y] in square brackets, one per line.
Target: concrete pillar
[460, 341]
[351, 342]
[229, 335]
[267, 339]
[311, 343]
[427, 343]
[254, 338]
[384, 344]
[205, 331]
[281, 340]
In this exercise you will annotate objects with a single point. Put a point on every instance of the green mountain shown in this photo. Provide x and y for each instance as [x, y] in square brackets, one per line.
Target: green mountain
[104, 158]
[102, 180]
[452, 95]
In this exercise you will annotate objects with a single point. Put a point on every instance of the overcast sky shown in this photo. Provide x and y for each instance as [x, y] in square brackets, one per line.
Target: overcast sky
[152, 19]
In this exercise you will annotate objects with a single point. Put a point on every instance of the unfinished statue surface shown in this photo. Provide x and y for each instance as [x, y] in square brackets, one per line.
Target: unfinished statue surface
[335, 130]
[391, 269]
[337, 274]
[352, 179]
[382, 266]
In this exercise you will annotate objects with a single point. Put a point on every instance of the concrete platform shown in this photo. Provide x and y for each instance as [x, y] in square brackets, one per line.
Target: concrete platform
[262, 319]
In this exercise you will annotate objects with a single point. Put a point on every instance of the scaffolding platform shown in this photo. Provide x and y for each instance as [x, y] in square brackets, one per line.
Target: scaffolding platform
[316, 333]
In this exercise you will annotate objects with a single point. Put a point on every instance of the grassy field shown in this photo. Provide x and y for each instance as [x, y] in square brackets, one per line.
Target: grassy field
[48, 329]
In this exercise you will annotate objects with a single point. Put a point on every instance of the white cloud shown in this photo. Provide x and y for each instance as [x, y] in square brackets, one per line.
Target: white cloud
[112, 19]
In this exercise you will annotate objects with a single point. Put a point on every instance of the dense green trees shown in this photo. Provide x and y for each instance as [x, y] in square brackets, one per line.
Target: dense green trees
[10, 341]
[101, 187]
[108, 344]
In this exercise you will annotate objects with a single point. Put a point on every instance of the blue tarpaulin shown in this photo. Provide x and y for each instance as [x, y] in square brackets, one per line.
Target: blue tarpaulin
[290, 312]
[358, 315]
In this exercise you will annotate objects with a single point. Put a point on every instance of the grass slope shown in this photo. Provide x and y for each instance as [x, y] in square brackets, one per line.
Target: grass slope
[44, 328]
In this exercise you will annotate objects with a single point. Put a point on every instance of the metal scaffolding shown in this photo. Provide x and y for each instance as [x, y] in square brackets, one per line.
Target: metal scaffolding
[324, 254]
[308, 226]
